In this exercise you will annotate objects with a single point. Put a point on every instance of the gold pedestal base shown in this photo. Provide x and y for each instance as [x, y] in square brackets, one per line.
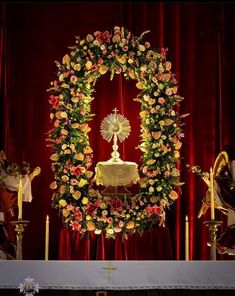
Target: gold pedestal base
[213, 228]
[19, 228]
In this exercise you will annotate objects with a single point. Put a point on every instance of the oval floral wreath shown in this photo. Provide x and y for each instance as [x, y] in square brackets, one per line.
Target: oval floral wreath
[82, 207]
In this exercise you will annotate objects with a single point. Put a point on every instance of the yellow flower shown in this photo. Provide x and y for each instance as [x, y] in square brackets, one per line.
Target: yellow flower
[174, 89]
[65, 212]
[92, 193]
[64, 85]
[168, 66]
[116, 38]
[90, 78]
[140, 85]
[76, 195]
[67, 151]
[64, 132]
[54, 157]
[141, 47]
[66, 60]
[168, 121]
[176, 154]
[77, 67]
[173, 195]
[62, 203]
[166, 77]
[156, 135]
[58, 114]
[88, 65]
[82, 42]
[75, 125]
[89, 174]
[103, 206]
[79, 156]
[90, 225]
[150, 161]
[143, 114]
[103, 69]
[61, 77]
[110, 231]
[154, 199]
[178, 145]
[85, 201]
[75, 99]
[98, 231]
[88, 217]
[159, 188]
[132, 73]
[130, 225]
[62, 189]
[104, 213]
[87, 150]
[65, 178]
[175, 172]
[151, 101]
[151, 189]
[121, 60]
[53, 185]
[82, 182]
[64, 115]
[89, 38]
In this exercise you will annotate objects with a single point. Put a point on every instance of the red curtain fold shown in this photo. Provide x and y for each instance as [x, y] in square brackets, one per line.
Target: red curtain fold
[154, 244]
[200, 42]
[65, 245]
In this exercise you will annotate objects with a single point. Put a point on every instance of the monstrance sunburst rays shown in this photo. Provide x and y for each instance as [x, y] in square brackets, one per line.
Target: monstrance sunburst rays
[116, 126]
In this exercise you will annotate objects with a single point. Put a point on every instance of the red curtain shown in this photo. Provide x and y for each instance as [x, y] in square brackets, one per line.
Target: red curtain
[200, 39]
[154, 244]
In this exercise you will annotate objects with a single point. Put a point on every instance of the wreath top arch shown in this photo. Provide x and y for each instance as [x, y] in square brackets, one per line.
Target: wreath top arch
[82, 207]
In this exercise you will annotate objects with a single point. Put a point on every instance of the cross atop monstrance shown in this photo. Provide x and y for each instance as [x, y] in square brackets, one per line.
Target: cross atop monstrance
[115, 110]
[109, 269]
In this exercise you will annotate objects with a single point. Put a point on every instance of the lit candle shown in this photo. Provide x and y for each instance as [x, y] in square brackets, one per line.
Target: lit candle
[186, 239]
[20, 200]
[212, 195]
[47, 238]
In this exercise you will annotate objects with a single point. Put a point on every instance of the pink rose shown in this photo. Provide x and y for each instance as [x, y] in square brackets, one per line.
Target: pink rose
[161, 100]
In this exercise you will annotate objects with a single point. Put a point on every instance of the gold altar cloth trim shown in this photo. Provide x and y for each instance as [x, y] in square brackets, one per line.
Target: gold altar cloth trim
[116, 174]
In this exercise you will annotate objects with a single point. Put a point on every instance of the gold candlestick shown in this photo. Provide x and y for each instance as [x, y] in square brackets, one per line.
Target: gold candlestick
[213, 228]
[19, 228]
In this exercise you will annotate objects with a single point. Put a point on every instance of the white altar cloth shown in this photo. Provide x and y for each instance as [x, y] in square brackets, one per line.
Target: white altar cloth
[129, 275]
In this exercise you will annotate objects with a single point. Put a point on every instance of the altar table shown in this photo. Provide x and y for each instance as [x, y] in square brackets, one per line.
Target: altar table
[127, 275]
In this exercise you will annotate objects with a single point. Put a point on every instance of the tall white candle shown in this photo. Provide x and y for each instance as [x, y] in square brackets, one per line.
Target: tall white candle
[20, 200]
[47, 238]
[186, 239]
[212, 195]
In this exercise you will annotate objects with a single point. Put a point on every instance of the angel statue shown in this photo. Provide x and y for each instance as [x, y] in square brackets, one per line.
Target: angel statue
[10, 176]
[224, 194]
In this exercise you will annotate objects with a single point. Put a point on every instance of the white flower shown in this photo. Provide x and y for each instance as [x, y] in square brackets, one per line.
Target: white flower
[29, 287]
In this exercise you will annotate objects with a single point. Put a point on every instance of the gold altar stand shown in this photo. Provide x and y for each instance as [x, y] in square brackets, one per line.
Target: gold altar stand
[116, 191]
